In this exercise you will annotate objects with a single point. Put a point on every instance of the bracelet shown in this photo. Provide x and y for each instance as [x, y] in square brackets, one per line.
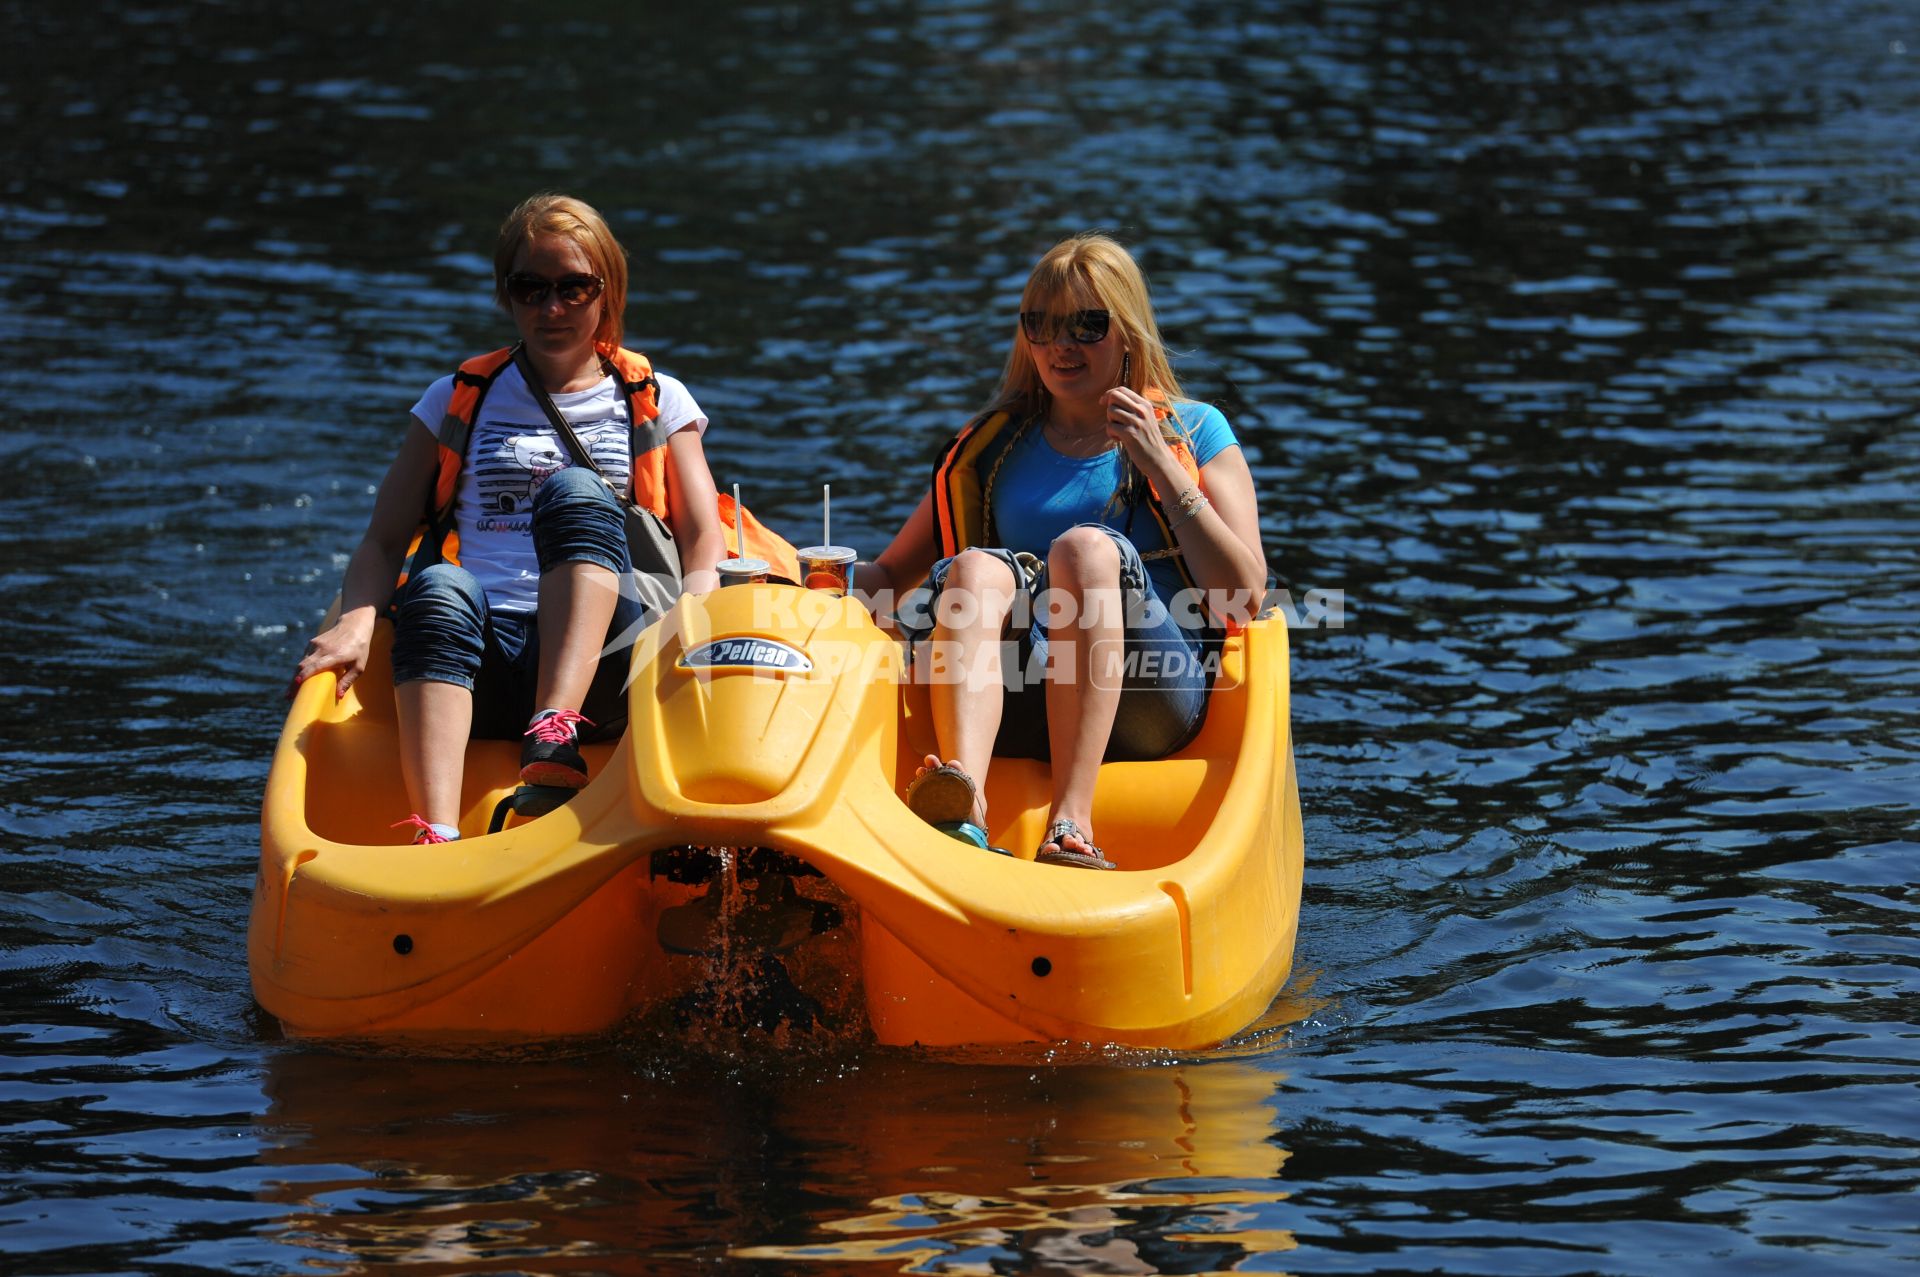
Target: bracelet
[1187, 514]
[1188, 499]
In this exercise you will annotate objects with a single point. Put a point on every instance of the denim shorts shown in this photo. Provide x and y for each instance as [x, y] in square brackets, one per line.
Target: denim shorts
[1163, 692]
[444, 632]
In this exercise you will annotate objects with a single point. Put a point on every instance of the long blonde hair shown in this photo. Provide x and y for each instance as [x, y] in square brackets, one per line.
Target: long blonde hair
[1090, 271]
[550, 213]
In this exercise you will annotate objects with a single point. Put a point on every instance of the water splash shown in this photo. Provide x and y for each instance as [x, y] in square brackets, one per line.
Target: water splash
[768, 955]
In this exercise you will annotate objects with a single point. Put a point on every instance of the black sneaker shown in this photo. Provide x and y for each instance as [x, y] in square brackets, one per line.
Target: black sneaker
[550, 756]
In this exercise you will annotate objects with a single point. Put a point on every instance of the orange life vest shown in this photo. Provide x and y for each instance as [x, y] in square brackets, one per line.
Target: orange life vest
[437, 540]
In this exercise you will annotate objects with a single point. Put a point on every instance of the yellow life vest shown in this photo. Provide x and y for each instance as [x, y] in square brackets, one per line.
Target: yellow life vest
[962, 480]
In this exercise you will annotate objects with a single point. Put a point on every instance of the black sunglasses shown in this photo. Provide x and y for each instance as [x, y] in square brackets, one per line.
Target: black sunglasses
[1084, 326]
[575, 290]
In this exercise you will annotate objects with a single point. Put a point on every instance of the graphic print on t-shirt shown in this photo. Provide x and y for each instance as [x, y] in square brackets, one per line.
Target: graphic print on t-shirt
[510, 460]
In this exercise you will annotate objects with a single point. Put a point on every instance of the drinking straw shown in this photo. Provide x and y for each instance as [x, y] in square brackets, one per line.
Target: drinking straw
[826, 514]
[739, 536]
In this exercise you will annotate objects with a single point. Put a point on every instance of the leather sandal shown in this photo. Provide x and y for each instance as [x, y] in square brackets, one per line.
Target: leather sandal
[1091, 858]
[942, 794]
[945, 797]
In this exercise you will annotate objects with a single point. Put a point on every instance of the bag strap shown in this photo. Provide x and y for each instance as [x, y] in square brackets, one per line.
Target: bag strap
[579, 450]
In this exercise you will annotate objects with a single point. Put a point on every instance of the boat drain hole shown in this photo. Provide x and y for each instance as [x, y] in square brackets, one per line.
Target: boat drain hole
[1042, 967]
[403, 944]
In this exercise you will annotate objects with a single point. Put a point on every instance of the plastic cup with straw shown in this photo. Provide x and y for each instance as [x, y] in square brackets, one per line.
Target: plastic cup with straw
[740, 570]
[827, 567]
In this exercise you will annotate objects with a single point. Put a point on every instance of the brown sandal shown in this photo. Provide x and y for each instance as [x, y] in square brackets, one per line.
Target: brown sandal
[1092, 858]
[941, 794]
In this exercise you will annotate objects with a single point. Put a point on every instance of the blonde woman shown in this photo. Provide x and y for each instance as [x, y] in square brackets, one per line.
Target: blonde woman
[1102, 522]
[509, 594]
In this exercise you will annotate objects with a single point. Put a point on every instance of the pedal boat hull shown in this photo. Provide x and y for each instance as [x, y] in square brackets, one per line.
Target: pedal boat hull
[550, 928]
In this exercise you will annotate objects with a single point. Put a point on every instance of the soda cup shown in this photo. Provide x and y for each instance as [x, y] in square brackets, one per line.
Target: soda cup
[828, 568]
[741, 571]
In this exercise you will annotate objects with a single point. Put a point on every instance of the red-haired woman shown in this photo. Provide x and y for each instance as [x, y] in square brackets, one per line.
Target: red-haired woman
[513, 590]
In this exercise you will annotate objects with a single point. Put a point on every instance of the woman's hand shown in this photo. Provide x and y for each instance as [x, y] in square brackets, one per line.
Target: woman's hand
[341, 648]
[1132, 423]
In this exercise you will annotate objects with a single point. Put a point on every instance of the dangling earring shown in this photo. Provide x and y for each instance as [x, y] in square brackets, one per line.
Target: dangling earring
[1126, 368]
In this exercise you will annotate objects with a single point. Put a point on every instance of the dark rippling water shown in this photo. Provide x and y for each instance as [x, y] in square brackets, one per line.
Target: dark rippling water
[1574, 342]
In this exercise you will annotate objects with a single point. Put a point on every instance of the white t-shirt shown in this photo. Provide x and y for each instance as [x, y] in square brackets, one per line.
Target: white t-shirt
[511, 452]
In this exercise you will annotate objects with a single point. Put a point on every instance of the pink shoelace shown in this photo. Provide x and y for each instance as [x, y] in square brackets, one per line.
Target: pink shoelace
[424, 832]
[559, 727]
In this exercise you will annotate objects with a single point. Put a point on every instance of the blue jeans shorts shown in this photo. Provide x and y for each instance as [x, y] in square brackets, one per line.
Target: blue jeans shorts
[444, 632]
[1163, 693]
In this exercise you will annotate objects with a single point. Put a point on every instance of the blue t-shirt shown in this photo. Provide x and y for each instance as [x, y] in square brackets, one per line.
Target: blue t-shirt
[1038, 493]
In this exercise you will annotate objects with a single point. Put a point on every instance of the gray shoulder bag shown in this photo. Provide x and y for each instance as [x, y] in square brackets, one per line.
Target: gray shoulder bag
[656, 560]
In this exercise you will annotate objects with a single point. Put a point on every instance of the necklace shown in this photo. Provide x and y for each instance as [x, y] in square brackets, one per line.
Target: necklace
[1077, 446]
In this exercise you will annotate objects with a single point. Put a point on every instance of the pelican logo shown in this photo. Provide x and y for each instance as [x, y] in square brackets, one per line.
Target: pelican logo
[746, 653]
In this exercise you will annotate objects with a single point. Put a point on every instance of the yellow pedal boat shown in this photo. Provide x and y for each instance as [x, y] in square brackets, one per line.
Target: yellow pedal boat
[784, 721]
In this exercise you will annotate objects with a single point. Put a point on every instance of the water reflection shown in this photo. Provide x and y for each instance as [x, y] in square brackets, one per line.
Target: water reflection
[1574, 341]
[964, 1168]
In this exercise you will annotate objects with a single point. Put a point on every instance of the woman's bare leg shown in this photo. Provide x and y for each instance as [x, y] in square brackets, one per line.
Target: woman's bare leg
[967, 693]
[576, 607]
[1084, 668]
[435, 721]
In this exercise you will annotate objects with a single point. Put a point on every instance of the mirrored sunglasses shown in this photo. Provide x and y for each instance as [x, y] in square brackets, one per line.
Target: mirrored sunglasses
[1083, 326]
[575, 290]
